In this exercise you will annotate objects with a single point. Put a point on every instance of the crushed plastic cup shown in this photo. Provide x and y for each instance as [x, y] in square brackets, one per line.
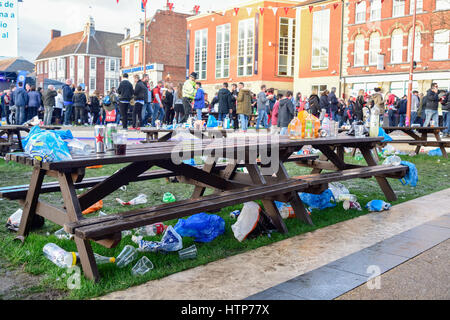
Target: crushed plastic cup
[128, 255]
[392, 161]
[188, 253]
[63, 235]
[143, 266]
[168, 197]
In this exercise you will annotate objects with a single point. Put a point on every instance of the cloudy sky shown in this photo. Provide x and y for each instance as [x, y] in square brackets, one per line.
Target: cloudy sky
[38, 17]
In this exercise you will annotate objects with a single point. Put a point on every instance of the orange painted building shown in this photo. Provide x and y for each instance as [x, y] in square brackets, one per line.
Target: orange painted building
[251, 45]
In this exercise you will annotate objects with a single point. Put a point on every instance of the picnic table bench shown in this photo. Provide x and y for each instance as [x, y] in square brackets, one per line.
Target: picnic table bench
[10, 144]
[153, 133]
[252, 118]
[419, 137]
[267, 180]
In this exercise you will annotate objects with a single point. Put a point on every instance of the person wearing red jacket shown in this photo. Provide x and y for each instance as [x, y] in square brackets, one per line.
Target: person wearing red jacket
[158, 108]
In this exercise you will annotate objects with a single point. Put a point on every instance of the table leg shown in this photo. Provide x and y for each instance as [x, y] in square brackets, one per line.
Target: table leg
[208, 167]
[31, 202]
[19, 139]
[423, 138]
[74, 214]
[384, 184]
[442, 147]
[165, 138]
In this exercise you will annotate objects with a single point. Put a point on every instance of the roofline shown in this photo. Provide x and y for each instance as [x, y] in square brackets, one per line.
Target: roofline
[76, 54]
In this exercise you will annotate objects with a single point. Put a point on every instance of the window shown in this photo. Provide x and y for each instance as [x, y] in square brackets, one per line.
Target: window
[359, 50]
[442, 5]
[419, 6]
[360, 15]
[417, 45]
[318, 89]
[397, 46]
[400, 88]
[93, 63]
[112, 66]
[374, 48]
[46, 66]
[92, 84]
[200, 53]
[440, 45]
[127, 56]
[72, 62]
[375, 10]
[223, 51]
[398, 8]
[286, 50]
[246, 47]
[321, 39]
[61, 64]
[136, 53]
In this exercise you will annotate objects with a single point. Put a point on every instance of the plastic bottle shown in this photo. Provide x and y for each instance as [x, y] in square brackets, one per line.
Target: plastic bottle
[227, 123]
[309, 128]
[295, 129]
[104, 260]
[62, 234]
[374, 124]
[151, 230]
[59, 256]
[326, 125]
[392, 161]
[347, 197]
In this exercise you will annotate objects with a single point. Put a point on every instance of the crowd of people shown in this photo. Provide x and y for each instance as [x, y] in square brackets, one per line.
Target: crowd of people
[144, 104]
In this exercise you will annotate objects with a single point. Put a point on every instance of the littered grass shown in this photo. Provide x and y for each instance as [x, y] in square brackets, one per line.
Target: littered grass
[433, 177]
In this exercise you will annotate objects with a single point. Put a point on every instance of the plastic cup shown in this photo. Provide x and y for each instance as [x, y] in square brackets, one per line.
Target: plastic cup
[188, 253]
[120, 142]
[143, 266]
[128, 255]
[359, 131]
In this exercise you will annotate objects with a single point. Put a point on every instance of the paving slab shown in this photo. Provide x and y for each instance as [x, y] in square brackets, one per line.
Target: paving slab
[443, 222]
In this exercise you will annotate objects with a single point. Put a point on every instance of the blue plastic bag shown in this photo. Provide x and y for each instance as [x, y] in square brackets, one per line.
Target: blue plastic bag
[212, 122]
[412, 176]
[46, 146]
[382, 133]
[63, 134]
[171, 241]
[190, 162]
[319, 201]
[203, 227]
[378, 205]
[435, 152]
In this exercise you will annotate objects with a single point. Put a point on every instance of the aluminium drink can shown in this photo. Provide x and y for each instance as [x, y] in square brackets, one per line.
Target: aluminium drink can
[100, 139]
[111, 130]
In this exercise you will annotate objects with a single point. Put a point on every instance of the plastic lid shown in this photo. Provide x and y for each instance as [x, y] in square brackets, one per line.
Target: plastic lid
[112, 260]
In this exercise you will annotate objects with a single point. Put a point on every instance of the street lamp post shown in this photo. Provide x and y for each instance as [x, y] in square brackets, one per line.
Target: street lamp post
[411, 68]
[144, 58]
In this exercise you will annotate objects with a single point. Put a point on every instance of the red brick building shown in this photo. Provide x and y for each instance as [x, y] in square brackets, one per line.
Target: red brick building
[89, 57]
[165, 51]
[377, 45]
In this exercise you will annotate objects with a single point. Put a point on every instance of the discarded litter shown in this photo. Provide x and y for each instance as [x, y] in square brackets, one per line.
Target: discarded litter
[46, 146]
[351, 205]
[143, 266]
[128, 255]
[59, 256]
[78, 148]
[435, 152]
[171, 241]
[378, 205]
[252, 222]
[63, 235]
[392, 161]
[94, 208]
[126, 233]
[13, 222]
[168, 197]
[151, 230]
[202, 226]
[102, 214]
[388, 150]
[140, 199]
[412, 175]
[188, 253]
[123, 188]
[318, 201]
[347, 197]
[235, 214]
[337, 189]
[286, 210]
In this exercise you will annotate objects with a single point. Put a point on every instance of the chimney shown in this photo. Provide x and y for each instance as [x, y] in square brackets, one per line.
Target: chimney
[89, 28]
[127, 33]
[55, 34]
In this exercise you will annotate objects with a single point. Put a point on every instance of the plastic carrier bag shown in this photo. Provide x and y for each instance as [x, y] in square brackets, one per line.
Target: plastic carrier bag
[171, 241]
[212, 122]
[382, 133]
[319, 201]
[203, 227]
[251, 222]
[63, 134]
[435, 152]
[47, 146]
[378, 205]
[412, 176]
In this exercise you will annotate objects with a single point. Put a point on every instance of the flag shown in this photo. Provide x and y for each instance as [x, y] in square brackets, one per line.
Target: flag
[275, 10]
[310, 9]
[335, 5]
[249, 11]
[196, 9]
[261, 10]
[170, 6]
[286, 10]
[236, 10]
[144, 3]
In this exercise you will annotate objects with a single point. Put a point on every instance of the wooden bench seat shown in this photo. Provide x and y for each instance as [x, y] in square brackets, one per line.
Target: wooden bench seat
[102, 227]
[20, 192]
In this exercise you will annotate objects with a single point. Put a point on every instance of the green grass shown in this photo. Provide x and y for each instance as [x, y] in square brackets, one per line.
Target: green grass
[433, 176]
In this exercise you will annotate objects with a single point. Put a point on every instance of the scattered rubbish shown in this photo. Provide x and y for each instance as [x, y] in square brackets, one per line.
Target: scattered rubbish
[94, 208]
[318, 201]
[59, 256]
[123, 188]
[388, 150]
[13, 222]
[190, 162]
[435, 152]
[143, 266]
[171, 241]
[378, 205]
[168, 197]
[252, 222]
[351, 205]
[412, 175]
[392, 161]
[212, 122]
[95, 167]
[140, 199]
[136, 239]
[126, 233]
[382, 133]
[286, 210]
[78, 148]
[47, 145]
[202, 227]
[188, 253]
[337, 189]
[103, 260]
[347, 197]
[128, 255]
[359, 156]
[61, 234]
[102, 214]
[151, 230]
[235, 214]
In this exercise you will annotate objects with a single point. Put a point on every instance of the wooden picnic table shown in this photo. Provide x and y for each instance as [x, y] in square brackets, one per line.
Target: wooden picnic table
[419, 137]
[153, 133]
[10, 144]
[252, 118]
[267, 180]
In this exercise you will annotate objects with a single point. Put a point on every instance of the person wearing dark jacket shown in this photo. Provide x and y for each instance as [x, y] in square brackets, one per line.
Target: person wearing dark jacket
[225, 102]
[94, 105]
[286, 113]
[49, 104]
[68, 91]
[125, 92]
[324, 104]
[402, 111]
[34, 102]
[359, 105]
[140, 97]
[20, 100]
[334, 104]
[79, 103]
[446, 113]
[234, 116]
[431, 106]
[167, 101]
[314, 104]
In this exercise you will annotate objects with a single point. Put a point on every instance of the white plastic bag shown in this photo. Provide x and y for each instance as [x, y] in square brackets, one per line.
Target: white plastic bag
[246, 221]
[140, 199]
[13, 222]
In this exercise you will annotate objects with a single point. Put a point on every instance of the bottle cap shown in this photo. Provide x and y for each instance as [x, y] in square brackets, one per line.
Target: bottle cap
[112, 260]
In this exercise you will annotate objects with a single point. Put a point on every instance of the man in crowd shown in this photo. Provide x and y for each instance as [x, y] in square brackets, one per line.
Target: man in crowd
[68, 91]
[334, 104]
[189, 92]
[49, 104]
[244, 106]
[147, 109]
[262, 100]
[415, 102]
[158, 108]
[225, 102]
[234, 116]
[431, 107]
[20, 97]
[125, 92]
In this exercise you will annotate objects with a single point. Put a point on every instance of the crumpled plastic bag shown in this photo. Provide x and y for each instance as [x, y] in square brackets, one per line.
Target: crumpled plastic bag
[63, 134]
[94, 208]
[412, 175]
[140, 199]
[318, 201]
[171, 241]
[212, 122]
[252, 222]
[285, 209]
[13, 222]
[382, 133]
[337, 189]
[47, 146]
[203, 227]
[435, 152]
[378, 205]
